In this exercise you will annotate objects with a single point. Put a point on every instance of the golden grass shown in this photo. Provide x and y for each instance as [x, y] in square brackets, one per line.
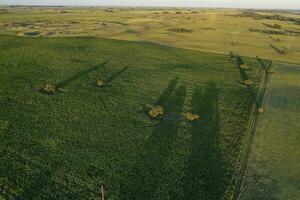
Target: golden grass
[212, 30]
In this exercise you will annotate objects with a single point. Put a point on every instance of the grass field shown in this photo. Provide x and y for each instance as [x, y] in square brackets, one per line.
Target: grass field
[269, 34]
[68, 145]
[273, 171]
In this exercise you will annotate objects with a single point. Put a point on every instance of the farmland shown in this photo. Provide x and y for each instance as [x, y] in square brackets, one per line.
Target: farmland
[68, 144]
[144, 102]
[211, 30]
[273, 169]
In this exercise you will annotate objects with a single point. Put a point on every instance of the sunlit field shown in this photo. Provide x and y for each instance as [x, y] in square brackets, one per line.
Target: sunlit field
[69, 143]
[148, 103]
[267, 34]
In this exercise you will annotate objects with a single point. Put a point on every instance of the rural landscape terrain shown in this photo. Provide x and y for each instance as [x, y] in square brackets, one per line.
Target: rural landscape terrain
[149, 103]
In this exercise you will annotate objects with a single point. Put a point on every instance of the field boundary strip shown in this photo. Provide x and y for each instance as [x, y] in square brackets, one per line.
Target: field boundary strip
[233, 190]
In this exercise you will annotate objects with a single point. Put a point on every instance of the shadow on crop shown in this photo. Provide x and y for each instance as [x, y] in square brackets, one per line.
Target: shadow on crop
[79, 75]
[38, 185]
[262, 63]
[164, 99]
[205, 167]
[183, 66]
[239, 62]
[244, 76]
[115, 75]
[149, 170]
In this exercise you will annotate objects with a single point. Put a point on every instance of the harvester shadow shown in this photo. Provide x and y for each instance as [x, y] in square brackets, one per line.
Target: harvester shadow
[244, 76]
[239, 62]
[165, 97]
[38, 185]
[167, 94]
[261, 62]
[205, 166]
[79, 75]
[115, 75]
[150, 169]
[107, 83]
[252, 96]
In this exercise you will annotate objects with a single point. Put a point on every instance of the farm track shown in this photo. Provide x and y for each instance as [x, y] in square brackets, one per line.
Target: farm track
[242, 163]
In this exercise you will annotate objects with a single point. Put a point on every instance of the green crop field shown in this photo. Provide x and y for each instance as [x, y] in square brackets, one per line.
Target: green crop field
[273, 171]
[69, 144]
[80, 88]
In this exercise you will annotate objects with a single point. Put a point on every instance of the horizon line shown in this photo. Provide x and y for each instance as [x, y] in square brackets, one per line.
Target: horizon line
[123, 6]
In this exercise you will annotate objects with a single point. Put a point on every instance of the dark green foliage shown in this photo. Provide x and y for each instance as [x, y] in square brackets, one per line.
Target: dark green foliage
[258, 16]
[275, 26]
[239, 62]
[252, 90]
[150, 168]
[32, 33]
[81, 74]
[68, 145]
[267, 31]
[263, 63]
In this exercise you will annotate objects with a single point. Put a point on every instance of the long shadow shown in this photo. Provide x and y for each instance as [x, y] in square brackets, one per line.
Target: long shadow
[239, 62]
[115, 75]
[262, 63]
[79, 75]
[38, 185]
[167, 94]
[149, 171]
[244, 76]
[205, 167]
[252, 96]
[165, 97]
[267, 67]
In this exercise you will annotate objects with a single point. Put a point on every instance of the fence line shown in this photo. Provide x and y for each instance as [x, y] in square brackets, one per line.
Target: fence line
[233, 190]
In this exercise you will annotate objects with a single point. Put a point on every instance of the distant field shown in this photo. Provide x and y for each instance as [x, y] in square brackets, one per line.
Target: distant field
[68, 145]
[273, 171]
[273, 35]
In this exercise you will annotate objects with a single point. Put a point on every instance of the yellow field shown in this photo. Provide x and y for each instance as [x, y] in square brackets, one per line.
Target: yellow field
[203, 29]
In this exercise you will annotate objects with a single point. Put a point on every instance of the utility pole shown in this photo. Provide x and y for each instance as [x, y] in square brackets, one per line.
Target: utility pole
[235, 35]
[102, 193]
[290, 38]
